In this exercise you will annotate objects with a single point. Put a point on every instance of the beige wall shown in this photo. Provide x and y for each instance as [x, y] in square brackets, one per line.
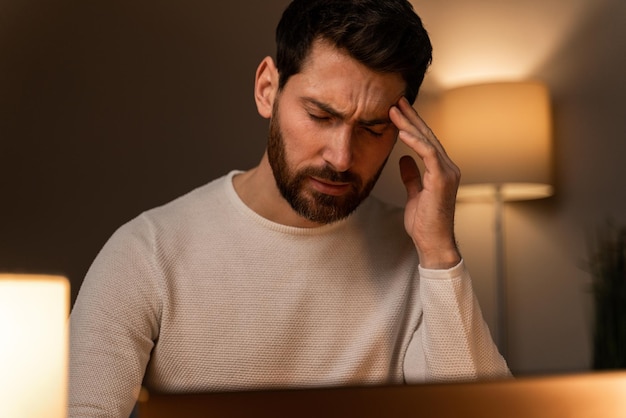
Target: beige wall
[109, 109]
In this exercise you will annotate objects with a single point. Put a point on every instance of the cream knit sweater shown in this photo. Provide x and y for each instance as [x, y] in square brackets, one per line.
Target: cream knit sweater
[203, 294]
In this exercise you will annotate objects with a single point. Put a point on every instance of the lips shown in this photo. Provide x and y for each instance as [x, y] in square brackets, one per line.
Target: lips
[329, 187]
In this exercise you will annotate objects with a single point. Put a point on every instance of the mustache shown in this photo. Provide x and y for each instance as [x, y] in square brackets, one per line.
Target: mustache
[327, 173]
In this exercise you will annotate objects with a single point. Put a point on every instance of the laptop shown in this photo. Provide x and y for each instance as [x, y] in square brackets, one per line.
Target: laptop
[590, 395]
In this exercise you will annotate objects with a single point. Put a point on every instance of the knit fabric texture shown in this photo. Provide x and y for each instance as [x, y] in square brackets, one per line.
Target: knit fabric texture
[202, 294]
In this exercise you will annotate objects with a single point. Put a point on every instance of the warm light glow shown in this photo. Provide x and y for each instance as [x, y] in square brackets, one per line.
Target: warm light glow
[499, 134]
[33, 346]
[476, 41]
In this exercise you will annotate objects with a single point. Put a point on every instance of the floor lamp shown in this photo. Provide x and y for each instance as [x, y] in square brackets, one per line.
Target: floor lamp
[34, 313]
[499, 134]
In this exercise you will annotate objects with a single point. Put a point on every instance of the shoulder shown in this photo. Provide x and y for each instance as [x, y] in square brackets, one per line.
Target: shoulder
[177, 218]
[192, 203]
[199, 203]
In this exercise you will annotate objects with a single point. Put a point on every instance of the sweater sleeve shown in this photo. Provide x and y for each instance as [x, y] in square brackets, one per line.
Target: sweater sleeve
[113, 325]
[452, 341]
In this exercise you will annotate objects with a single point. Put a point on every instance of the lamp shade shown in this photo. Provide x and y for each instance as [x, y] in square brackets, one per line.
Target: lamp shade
[33, 346]
[500, 135]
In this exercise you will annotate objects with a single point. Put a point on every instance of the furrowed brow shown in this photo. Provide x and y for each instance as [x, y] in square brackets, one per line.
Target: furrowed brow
[324, 107]
[335, 113]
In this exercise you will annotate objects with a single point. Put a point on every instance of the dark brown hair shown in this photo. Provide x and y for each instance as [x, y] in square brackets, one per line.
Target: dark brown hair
[385, 35]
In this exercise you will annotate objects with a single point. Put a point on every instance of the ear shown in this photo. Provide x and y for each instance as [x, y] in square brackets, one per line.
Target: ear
[266, 87]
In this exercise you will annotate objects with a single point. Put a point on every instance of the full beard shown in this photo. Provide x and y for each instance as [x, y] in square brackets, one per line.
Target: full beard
[311, 204]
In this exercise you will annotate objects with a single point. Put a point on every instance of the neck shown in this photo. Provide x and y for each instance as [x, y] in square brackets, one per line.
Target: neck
[257, 189]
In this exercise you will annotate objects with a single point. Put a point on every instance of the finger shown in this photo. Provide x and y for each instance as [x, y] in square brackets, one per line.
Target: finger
[422, 141]
[411, 177]
[413, 117]
[410, 134]
[407, 119]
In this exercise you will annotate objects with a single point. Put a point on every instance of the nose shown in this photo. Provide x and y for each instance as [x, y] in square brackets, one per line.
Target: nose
[339, 152]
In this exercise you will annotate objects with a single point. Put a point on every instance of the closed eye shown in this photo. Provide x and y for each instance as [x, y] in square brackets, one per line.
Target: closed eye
[327, 118]
[373, 132]
[319, 118]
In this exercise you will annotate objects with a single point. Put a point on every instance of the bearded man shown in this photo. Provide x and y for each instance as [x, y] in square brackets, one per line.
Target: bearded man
[290, 274]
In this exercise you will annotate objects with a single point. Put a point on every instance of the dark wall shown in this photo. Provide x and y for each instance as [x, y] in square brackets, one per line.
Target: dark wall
[110, 108]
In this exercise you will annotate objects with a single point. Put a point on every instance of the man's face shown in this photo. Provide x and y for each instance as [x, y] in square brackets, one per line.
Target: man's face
[330, 133]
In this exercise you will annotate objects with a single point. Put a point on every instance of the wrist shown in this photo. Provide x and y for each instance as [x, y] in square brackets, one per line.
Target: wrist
[442, 259]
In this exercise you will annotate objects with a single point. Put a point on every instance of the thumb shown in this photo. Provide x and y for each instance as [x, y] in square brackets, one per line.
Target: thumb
[411, 177]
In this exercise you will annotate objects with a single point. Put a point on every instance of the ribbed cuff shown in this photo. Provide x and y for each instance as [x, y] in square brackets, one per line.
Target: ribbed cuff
[443, 274]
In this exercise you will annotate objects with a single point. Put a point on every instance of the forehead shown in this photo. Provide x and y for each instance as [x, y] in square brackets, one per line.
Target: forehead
[330, 75]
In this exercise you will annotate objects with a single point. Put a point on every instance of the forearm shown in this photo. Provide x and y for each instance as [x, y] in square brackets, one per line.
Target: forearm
[456, 340]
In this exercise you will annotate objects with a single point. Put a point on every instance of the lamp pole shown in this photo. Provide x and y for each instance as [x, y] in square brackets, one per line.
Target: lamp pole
[501, 287]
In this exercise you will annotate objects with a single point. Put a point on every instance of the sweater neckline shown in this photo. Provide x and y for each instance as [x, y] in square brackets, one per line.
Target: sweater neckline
[234, 198]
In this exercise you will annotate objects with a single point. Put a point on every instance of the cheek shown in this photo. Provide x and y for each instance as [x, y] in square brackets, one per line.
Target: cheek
[301, 140]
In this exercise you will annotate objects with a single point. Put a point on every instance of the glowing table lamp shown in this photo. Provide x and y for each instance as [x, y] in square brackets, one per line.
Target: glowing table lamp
[34, 313]
[500, 135]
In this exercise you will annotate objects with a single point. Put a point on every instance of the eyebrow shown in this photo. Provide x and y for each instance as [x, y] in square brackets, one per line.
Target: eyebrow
[335, 113]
